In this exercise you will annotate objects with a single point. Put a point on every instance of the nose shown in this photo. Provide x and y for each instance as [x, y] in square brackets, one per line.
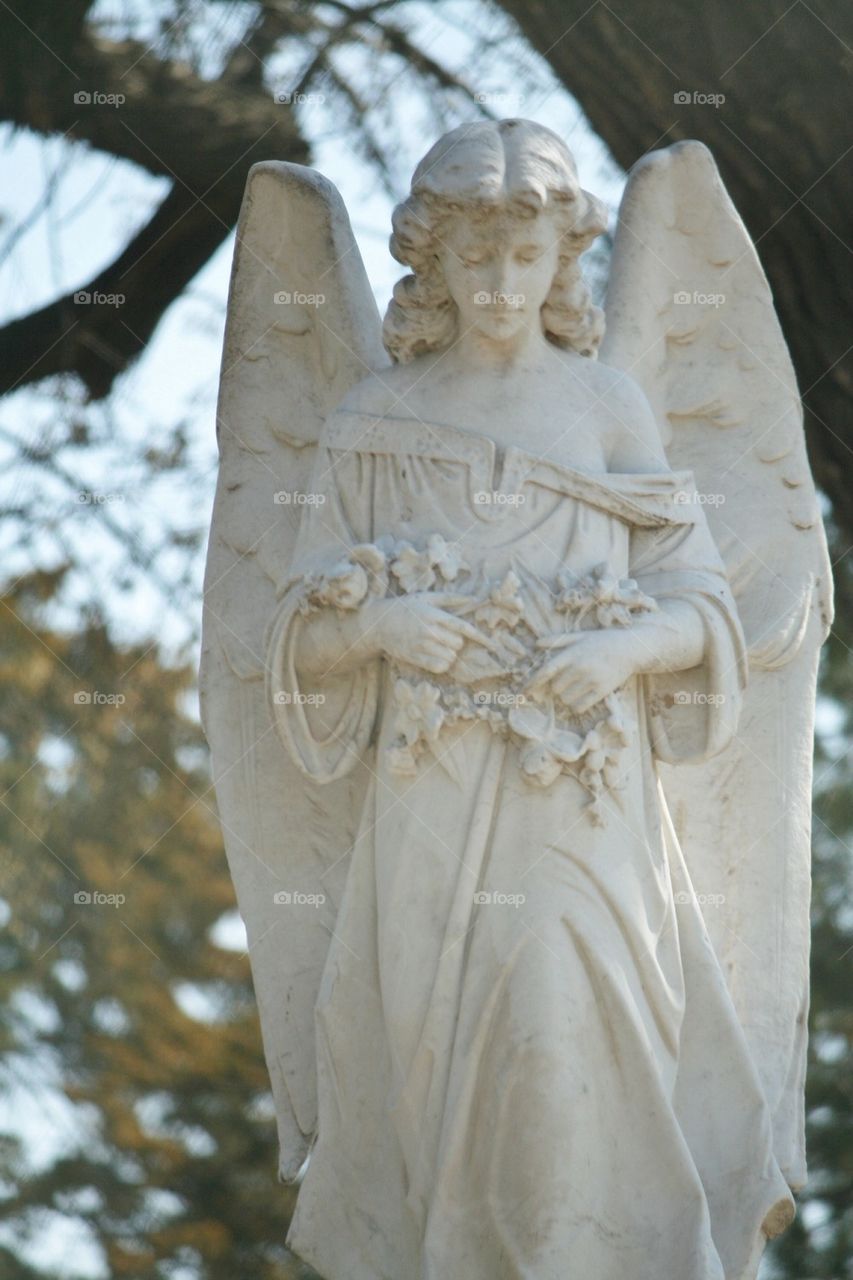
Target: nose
[502, 276]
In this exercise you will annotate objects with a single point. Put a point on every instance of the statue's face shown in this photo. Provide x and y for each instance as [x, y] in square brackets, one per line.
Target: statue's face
[499, 269]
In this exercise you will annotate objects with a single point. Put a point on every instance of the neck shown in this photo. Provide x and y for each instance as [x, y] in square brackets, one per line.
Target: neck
[523, 349]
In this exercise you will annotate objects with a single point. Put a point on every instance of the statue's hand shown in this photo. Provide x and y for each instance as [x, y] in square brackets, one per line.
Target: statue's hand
[589, 666]
[415, 629]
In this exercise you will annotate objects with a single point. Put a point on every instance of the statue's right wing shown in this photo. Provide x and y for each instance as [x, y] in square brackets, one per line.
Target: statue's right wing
[691, 317]
[302, 328]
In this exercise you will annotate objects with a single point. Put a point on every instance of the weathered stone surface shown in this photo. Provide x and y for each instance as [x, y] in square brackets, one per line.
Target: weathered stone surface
[509, 677]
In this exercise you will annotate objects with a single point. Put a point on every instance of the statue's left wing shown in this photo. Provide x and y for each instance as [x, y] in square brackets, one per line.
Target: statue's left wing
[302, 328]
[690, 316]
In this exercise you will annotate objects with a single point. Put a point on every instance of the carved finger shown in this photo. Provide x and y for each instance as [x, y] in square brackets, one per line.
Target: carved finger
[573, 692]
[446, 636]
[436, 665]
[588, 702]
[447, 600]
[470, 632]
[571, 681]
[436, 657]
[589, 697]
[546, 673]
[562, 642]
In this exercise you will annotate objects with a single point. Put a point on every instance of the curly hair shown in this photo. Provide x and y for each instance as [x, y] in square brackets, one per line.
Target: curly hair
[515, 166]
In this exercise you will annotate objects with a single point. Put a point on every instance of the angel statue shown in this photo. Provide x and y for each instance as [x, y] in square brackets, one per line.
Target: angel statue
[509, 678]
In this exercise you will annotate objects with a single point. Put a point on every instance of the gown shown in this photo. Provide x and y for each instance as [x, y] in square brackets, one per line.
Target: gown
[529, 1067]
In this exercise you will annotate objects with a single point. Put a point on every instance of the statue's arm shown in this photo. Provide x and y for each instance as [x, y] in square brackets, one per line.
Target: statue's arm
[331, 642]
[413, 629]
[673, 637]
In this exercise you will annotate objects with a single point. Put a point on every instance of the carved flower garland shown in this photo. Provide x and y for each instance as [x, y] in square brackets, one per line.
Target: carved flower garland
[348, 584]
[601, 595]
[519, 617]
[417, 723]
[416, 570]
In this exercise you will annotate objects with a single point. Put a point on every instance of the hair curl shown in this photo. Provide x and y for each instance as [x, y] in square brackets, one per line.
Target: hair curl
[513, 165]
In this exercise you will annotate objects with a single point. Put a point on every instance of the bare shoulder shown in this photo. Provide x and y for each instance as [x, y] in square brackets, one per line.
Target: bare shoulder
[635, 442]
[381, 391]
[612, 386]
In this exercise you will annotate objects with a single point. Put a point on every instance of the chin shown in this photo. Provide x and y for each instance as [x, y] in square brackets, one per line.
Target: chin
[502, 328]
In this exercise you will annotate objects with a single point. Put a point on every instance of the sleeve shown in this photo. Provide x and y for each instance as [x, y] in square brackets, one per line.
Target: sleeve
[692, 714]
[327, 726]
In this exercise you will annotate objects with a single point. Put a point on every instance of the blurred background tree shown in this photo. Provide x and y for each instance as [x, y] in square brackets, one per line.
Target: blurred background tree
[117, 988]
[140, 1139]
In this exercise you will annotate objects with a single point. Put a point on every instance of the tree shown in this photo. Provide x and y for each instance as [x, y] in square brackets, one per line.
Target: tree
[110, 973]
[60, 75]
[153, 1022]
[764, 86]
[778, 135]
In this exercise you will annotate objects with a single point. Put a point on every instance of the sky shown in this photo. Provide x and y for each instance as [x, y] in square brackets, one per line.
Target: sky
[47, 249]
[97, 203]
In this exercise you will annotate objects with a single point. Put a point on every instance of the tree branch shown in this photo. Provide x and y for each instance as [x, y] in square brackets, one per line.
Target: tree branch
[779, 138]
[203, 134]
[160, 115]
[87, 332]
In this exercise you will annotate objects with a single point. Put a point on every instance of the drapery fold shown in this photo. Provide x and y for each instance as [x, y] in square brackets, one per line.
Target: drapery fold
[522, 1031]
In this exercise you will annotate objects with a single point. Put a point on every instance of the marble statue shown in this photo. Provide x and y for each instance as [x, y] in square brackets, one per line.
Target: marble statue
[509, 667]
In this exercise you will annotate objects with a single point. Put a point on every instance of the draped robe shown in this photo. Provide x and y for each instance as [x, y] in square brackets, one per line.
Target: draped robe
[529, 1067]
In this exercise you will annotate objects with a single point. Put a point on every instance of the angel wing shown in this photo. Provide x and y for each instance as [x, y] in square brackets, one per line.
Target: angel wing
[302, 328]
[690, 315]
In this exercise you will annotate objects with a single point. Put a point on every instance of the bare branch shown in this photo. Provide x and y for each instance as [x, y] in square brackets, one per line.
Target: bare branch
[96, 338]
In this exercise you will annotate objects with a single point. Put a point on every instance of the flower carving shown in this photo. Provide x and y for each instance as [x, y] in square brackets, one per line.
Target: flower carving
[609, 599]
[402, 760]
[343, 587]
[416, 570]
[412, 568]
[550, 747]
[504, 606]
[375, 564]
[592, 757]
[417, 723]
[446, 557]
[488, 679]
